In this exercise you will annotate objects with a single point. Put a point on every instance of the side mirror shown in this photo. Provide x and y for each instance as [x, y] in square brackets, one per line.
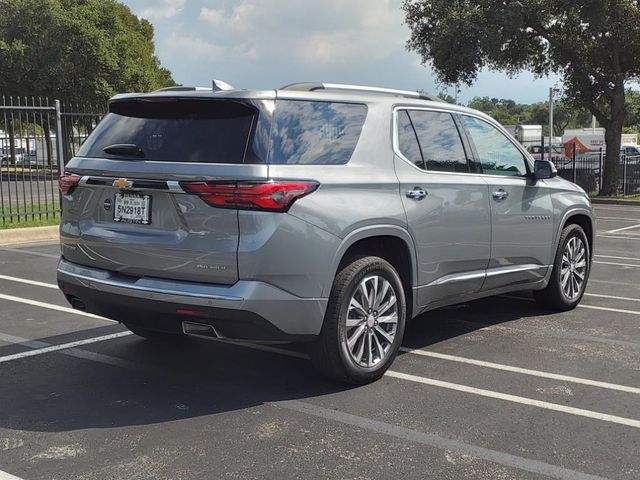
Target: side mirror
[544, 169]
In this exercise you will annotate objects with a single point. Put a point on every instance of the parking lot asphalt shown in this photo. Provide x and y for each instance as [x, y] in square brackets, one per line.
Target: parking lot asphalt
[493, 389]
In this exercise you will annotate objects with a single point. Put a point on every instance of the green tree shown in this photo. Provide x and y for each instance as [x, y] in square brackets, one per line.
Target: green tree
[565, 115]
[77, 51]
[592, 44]
[443, 95]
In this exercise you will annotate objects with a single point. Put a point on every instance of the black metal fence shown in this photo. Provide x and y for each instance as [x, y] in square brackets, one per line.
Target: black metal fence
[586, 169]
[37, 136]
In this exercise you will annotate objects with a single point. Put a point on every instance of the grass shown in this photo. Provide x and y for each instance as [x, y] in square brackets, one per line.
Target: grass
[634, 198]
[28, 216]
[27, 170]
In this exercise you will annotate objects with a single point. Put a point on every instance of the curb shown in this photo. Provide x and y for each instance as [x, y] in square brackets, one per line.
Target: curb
[613, 201]
[14, 236]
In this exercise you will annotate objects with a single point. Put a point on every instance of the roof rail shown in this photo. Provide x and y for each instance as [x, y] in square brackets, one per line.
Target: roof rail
[313, 86]
[181, 88]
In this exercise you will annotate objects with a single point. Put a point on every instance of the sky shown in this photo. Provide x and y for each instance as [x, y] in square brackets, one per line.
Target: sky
[265, 44]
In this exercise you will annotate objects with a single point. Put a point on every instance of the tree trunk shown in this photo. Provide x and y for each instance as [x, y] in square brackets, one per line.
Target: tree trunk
[613, 140]
[47, 143]
[12, 143]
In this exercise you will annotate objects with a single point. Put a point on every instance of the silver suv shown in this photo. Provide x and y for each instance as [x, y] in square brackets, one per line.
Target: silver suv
[319, 213]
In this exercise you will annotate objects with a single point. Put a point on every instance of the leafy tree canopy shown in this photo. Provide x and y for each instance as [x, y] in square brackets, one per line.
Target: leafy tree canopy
[594, 45]
[79, 51]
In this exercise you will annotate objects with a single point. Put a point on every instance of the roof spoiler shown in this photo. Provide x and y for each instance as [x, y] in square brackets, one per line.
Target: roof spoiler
[216, 86]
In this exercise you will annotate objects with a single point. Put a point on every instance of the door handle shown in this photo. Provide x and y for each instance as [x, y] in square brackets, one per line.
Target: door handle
[500, 194]
[416, 194]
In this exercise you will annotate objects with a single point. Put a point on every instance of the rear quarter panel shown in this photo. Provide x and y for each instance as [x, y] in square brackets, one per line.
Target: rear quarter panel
[354, 201]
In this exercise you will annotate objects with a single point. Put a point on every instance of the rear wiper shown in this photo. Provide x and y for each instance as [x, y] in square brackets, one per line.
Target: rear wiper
[124, 149]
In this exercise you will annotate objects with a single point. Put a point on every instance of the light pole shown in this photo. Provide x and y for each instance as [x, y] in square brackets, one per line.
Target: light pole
[551, 92]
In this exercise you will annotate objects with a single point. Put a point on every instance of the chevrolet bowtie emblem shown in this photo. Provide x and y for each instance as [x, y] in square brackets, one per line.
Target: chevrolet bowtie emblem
[122, 183]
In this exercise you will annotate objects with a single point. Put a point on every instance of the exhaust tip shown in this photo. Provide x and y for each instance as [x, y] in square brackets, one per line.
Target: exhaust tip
[199, 329]
[77, 304]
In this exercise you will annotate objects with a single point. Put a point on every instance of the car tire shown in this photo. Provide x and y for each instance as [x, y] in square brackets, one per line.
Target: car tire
[571, 268]
[357, 344]
[154, 335]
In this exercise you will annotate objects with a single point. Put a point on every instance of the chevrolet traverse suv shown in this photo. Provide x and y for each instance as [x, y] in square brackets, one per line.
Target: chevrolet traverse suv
[320, 213]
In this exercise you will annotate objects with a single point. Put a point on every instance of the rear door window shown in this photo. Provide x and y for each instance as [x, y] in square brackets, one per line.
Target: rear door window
[440, 142]
[177, 130]
[316, 133]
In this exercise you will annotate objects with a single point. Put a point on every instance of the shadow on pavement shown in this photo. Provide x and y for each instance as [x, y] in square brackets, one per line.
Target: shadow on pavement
[193, 378]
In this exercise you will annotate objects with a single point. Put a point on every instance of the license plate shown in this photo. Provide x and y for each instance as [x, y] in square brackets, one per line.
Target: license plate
[132, 208]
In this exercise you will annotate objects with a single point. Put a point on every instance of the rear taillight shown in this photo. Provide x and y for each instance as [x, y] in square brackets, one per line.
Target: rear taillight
[276, 196]
[67, 182]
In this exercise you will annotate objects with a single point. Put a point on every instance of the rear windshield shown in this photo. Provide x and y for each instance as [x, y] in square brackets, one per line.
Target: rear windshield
[316, 132]
[177, 130]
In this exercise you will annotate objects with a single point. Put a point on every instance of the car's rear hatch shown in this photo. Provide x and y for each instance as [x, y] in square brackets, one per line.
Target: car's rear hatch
[129, 209]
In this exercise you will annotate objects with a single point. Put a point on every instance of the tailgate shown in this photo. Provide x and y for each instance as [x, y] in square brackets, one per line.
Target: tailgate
[128, 213]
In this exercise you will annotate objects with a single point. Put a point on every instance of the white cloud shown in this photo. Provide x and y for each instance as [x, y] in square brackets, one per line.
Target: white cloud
[194, 46]
[329, 32]
[268, 43]
[156, 10]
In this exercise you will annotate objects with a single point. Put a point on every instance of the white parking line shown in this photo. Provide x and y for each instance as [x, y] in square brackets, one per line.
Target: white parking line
[618, 208]
[618, 237]
[8, 476]
[607, 309]
[612, 297]
[618, 264]
[524, 371]
[617, 258]
[442, 443]
[413, 378]
[29, 282]
[617, 219]
[403, 376]
[64, 346]
[29, 252]
[51, 306]
[359, 422]
[629, 422]
[592, 307]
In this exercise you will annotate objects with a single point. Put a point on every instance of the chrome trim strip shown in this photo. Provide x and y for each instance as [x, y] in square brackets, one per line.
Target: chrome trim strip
[491, 272]
[458, 277]
[162, 291]
[174, 186]
[396, 147]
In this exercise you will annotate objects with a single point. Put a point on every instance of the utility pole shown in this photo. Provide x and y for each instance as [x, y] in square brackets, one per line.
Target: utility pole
[550, 122]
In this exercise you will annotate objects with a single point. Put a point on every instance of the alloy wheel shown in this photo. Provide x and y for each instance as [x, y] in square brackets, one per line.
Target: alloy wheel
[573, 269]
[371, 321]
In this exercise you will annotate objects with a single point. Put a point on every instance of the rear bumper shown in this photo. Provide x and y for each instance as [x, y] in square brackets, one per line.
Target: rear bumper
[247, 310]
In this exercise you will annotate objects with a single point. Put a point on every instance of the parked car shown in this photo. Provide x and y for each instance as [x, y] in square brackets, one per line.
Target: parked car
[5, 156]
[29, 158]
[319, 213]
[558, 156]
[630, 151]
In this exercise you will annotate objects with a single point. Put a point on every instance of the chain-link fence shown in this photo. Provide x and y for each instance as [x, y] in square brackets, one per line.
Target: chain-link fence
[34, 134]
